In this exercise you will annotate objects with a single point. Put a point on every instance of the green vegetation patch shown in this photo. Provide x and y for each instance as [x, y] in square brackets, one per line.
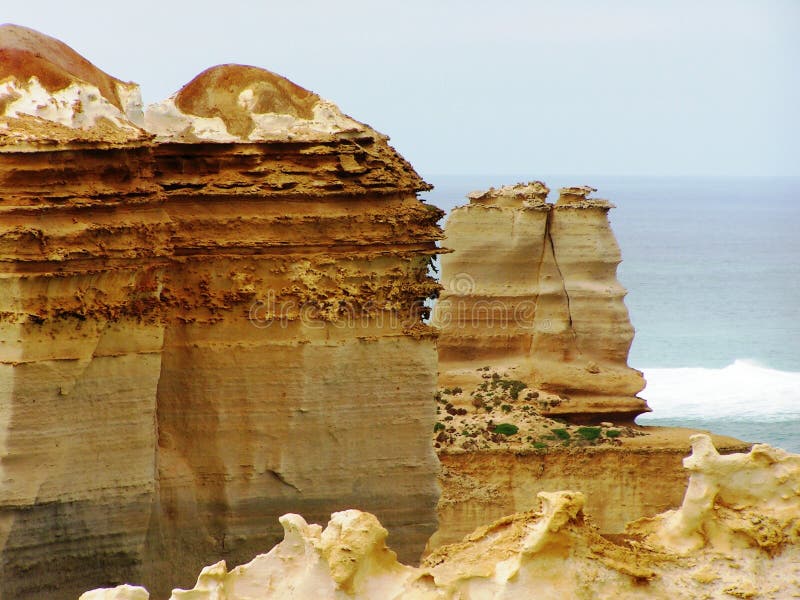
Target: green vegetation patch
[589, 433]
[561, 434]
[513, 387]
[505, 429]
[613, 433]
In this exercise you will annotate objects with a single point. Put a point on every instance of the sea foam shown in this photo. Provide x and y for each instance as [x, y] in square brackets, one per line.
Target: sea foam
[744, 390]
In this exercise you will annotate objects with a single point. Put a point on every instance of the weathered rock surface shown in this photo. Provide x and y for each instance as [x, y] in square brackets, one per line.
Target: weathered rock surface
[204, 326]
[622, 481]
[532, 286]
[737, 534]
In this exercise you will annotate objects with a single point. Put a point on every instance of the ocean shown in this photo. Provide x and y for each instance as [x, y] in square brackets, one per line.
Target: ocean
[712, 268]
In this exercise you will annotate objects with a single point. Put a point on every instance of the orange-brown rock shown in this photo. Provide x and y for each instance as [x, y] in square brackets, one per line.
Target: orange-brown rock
[204, 326]
[532, 286]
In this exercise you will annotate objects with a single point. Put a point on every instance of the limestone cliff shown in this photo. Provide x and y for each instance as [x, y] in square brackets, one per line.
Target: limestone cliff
[535, 391]
[737, 534]
[211, 315]
[532, 286]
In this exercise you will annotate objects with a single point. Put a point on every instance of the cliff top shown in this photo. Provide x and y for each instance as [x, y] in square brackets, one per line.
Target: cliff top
[578, 197]
[51, 94]
[533, 195]
[51, 97]
[240, 103]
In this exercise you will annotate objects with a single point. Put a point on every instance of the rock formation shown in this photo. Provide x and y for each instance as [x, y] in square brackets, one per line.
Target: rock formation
[737, 534]
[535, 391]
[533, 286]
[211, 315]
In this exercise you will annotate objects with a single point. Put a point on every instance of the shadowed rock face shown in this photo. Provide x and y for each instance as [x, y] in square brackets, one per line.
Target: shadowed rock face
[532, 286]
[204, 326]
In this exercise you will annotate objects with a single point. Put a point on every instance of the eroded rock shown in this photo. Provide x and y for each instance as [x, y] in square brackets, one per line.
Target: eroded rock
[531, 287]
[205, 325]
[555, 552]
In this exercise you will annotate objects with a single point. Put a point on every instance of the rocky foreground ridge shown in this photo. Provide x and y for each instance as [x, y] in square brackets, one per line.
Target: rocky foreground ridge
[735, 535]
[211, 316]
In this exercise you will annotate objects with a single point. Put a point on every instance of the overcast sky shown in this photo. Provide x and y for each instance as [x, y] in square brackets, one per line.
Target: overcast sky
[613, 87]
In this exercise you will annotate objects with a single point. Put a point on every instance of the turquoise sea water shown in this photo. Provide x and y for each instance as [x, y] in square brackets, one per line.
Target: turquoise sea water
[712, 267]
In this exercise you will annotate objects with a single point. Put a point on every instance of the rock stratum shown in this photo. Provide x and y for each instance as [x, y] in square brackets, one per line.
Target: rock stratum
[211, 313]
[735, 535]
[531, 286]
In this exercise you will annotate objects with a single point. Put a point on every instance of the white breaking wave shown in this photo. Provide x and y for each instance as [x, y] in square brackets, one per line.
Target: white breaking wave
[743, 390]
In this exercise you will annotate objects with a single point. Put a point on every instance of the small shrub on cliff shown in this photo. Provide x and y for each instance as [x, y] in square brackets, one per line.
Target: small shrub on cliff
[590, 434]
[561, 434]
[505, 429]
[439, 426]
[506, 408]
[540, 445]
[513, 387]
[613, 433]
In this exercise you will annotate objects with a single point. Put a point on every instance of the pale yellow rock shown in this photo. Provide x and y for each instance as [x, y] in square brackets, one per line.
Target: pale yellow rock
[121, 592]
[532, 286]
[555, 552]
[733, 502]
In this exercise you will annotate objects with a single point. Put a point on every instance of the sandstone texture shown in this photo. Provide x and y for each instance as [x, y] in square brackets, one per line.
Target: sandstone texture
[532, 286]
[535, 394]
[735, 535]
[499, 447]
[211, 315]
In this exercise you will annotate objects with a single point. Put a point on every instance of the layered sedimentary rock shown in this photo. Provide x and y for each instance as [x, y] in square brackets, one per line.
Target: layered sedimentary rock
[84, 244]
[295, 352]
[532, 286]
[736, 534]
[621, 481]
[205, 325]
[535, 391]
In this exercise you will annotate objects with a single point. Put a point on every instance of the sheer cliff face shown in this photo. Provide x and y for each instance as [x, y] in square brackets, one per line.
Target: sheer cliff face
[532, 286]
[200, 322]
[735, 535]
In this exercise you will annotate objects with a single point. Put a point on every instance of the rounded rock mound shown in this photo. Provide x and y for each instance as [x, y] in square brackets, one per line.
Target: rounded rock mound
[241, 103]
[50, 93]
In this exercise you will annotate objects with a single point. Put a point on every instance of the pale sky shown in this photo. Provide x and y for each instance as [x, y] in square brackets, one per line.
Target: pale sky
[612, 87]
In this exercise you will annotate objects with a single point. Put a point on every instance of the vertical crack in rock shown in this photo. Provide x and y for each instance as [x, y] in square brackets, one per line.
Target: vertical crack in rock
[549, 239]
[535, 291]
